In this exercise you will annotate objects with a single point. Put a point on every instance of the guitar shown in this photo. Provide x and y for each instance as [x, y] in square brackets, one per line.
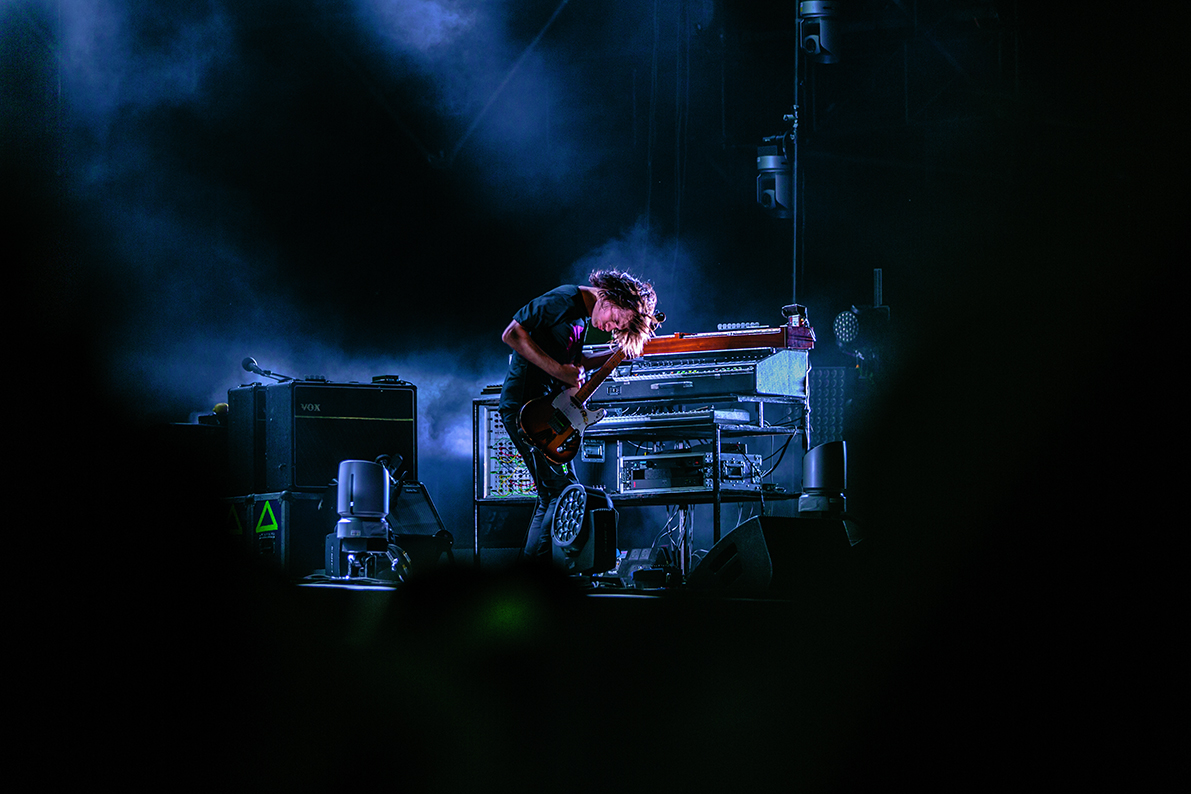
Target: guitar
[555, 424]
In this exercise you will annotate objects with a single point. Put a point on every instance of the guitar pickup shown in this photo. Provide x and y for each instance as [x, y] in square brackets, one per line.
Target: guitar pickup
[558, 423]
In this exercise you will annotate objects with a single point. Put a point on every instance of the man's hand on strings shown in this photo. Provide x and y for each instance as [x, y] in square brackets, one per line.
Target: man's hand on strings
[571, 375]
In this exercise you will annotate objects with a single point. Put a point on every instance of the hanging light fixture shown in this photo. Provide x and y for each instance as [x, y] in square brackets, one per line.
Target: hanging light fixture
[819, 30]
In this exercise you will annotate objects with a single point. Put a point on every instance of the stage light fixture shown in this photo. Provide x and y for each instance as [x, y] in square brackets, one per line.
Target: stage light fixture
[819, 30]
[362, 500]
[846, 327]
[860, 331]
[824, 480]
[359, 547]
[583, 531]
[775, 180]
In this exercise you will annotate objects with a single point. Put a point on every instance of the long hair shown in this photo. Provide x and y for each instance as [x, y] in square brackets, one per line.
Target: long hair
[636, 296]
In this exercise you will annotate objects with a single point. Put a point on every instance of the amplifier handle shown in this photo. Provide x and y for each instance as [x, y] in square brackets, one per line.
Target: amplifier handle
[674, 384]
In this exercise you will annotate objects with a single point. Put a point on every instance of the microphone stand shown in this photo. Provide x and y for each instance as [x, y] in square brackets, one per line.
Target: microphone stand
[250, 365]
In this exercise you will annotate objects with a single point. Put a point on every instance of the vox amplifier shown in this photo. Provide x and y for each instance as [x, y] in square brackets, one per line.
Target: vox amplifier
[292, 436]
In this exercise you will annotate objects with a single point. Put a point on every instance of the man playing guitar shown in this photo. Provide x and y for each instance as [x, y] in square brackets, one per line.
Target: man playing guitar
[547, 336]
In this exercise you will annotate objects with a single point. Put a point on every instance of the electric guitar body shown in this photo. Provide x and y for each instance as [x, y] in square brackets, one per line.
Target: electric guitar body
[555, 423]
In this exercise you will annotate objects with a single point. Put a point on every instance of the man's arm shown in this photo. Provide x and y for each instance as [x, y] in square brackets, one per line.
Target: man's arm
[595, 362]
[516, 337]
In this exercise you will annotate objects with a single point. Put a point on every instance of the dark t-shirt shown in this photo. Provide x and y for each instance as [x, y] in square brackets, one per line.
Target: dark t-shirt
[556, 321]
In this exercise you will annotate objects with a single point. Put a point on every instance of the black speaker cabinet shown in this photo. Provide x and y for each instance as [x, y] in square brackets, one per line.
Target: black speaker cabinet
[774, 556]
[292, 436]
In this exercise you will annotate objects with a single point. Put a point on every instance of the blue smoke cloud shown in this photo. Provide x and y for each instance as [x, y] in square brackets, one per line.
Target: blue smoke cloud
[426, 27]
[509, 103]
[196, 136]
[114, 59]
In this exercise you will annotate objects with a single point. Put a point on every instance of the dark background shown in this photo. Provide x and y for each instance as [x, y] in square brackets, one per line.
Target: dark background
[359, 188]
[354, 189]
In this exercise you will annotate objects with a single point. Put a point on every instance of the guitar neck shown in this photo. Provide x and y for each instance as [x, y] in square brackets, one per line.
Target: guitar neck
[595, 380]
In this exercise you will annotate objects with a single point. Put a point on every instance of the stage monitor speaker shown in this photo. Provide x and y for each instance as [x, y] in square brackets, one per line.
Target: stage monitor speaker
[738, 564]
[772, 556]
[418, 528]
[412, 511]
[291, 436]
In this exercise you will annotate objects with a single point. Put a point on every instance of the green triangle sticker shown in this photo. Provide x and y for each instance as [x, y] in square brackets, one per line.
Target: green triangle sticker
[267, 522]
[237, 527]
